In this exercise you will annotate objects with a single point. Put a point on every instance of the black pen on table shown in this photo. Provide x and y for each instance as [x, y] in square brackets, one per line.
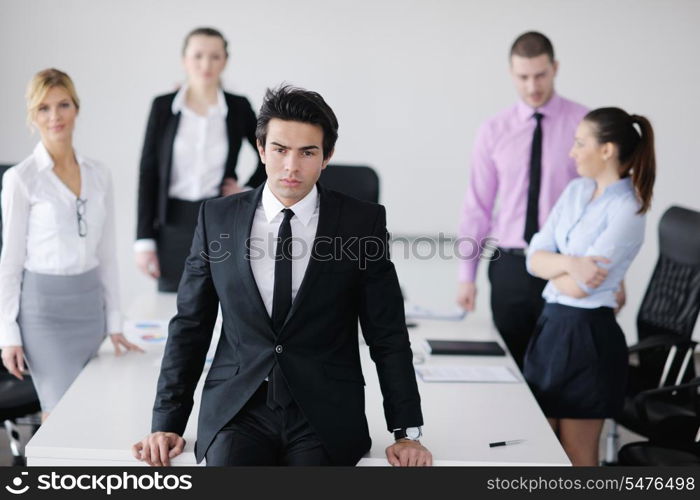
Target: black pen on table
[505, 443]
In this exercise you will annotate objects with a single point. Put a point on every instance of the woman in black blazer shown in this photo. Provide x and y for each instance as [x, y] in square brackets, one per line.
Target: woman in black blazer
[189, 155]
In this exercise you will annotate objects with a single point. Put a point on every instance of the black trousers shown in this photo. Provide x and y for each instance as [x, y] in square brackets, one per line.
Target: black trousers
[259, 436]
[174, 242]
[516, 301]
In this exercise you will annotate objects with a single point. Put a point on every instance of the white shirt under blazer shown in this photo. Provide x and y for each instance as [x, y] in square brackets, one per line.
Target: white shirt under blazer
[263, 240]
[199, 151]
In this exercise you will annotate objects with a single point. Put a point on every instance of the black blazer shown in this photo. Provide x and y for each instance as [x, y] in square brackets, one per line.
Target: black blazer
[318, 342]
[156, 157]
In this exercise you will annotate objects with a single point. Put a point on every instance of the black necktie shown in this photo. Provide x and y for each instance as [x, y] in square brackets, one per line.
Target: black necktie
[533, 190]
[278, 393]
[282, 293]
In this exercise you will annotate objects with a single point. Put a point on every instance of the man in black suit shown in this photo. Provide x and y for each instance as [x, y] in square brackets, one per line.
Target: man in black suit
[293, 266]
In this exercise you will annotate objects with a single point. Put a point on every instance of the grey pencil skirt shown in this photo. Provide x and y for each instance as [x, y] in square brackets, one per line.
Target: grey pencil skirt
[62, 322]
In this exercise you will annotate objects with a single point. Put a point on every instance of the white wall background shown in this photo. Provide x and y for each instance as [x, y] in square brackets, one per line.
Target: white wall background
[409, 80]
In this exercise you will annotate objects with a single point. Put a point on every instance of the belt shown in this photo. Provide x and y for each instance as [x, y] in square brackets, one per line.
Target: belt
[519, 252]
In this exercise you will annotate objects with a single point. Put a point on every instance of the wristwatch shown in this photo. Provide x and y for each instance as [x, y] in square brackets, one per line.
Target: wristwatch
[412, 433]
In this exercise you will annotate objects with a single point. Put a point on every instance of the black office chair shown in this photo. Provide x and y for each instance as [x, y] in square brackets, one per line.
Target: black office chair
[645, 453]
[357, 181]
[665, 320]
[670, 307]
[19, 403]
[676, 431]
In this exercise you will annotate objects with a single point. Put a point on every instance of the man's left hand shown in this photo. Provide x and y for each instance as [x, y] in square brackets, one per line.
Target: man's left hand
[407, 453]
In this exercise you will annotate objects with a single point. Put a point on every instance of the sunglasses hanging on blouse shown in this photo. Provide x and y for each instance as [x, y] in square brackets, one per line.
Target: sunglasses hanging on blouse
[80, 211]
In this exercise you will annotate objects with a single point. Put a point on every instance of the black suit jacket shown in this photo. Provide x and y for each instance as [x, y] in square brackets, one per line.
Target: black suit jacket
[156, 157]
[319, 343]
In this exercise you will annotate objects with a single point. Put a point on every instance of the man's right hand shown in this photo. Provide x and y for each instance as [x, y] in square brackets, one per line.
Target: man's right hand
[158, 448]
[466, 296]
[587, 270]
[147, 262]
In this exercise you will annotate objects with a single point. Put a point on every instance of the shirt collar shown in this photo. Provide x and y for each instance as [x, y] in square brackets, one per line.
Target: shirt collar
[549, 108]
[43, 158]
[220, 108]
[620, 186]
[303, 209]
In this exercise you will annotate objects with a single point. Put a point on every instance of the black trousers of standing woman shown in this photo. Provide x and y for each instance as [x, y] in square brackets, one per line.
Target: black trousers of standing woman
[174, 241]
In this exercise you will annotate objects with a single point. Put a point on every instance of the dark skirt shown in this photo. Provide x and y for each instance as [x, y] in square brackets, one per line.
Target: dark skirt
[174, 242]
[576, 363]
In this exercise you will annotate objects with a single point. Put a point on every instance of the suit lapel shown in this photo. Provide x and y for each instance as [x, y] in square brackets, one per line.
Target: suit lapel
[168, 143]
[229, 167]
[328, 214]
[243, 225]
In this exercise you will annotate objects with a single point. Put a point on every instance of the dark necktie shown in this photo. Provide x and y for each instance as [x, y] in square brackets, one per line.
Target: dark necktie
[282, 293]
[533, 190]
[278, 393]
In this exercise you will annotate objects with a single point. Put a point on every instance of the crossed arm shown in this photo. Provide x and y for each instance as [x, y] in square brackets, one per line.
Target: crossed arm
[566, 271]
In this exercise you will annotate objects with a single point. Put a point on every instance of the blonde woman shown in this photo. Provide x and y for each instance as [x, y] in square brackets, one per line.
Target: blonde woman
[59, 284]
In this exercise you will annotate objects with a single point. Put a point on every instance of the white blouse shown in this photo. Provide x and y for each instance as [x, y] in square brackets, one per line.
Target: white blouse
[199, 151]
[199, 156]
[40, 233]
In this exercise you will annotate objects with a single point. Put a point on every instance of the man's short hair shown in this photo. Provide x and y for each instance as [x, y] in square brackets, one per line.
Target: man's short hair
[295, 104]
[532, 44]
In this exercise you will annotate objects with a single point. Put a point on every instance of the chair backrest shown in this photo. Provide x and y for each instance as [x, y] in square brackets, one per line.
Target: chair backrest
[3, 169]
[672, 300]
[357, 181]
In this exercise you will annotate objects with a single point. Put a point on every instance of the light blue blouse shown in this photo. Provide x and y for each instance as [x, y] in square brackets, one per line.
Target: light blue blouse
[608, 226]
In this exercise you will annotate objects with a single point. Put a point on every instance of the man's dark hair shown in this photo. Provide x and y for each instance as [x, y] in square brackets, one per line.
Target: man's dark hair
[532, 44]
[295, 104]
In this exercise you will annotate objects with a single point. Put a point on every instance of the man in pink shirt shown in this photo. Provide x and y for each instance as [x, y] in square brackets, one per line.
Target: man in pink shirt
[520, 166]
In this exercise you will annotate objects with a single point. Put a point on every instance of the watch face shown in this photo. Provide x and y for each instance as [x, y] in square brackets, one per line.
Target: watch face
[413, 432]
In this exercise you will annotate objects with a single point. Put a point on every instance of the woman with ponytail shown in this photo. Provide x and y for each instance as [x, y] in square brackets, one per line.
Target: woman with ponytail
[576, 362]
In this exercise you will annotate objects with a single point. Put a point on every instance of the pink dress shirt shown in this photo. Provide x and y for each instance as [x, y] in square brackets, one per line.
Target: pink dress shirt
[496, 199]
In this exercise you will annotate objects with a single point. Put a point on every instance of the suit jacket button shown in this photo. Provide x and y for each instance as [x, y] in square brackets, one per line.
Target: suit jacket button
[278, 349]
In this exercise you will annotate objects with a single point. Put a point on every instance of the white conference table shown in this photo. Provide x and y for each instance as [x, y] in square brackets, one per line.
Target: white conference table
[108, 408]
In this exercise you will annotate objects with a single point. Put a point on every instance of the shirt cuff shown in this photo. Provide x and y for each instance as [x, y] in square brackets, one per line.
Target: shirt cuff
[9, 335]
[145, 245]
[114, 322]
[467, 270]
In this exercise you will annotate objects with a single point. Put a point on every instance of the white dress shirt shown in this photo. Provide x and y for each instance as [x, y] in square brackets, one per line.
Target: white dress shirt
[200, 150]
[40, 233]
[199, 156]
[263, 240]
